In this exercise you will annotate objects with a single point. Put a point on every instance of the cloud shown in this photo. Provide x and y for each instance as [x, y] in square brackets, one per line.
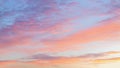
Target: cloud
[43, 60]
[107, 30]
[48, 27]
[23, 39]
[110, 60]
[87, 57]
[42, 57]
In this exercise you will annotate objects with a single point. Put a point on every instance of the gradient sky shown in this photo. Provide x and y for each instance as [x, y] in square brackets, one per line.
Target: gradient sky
[59, 33]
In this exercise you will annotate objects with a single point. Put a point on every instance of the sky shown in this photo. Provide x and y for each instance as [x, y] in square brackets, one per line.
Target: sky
[59, 33]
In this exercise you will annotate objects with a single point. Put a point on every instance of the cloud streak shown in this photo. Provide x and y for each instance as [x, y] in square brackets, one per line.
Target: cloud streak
[59, 32]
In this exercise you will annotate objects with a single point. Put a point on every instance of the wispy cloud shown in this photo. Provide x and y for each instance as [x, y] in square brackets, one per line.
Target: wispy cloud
[59, 31]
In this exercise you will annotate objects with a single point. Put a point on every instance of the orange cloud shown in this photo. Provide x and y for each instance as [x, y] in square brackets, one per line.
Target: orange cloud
[107, 30]
[107, 60]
